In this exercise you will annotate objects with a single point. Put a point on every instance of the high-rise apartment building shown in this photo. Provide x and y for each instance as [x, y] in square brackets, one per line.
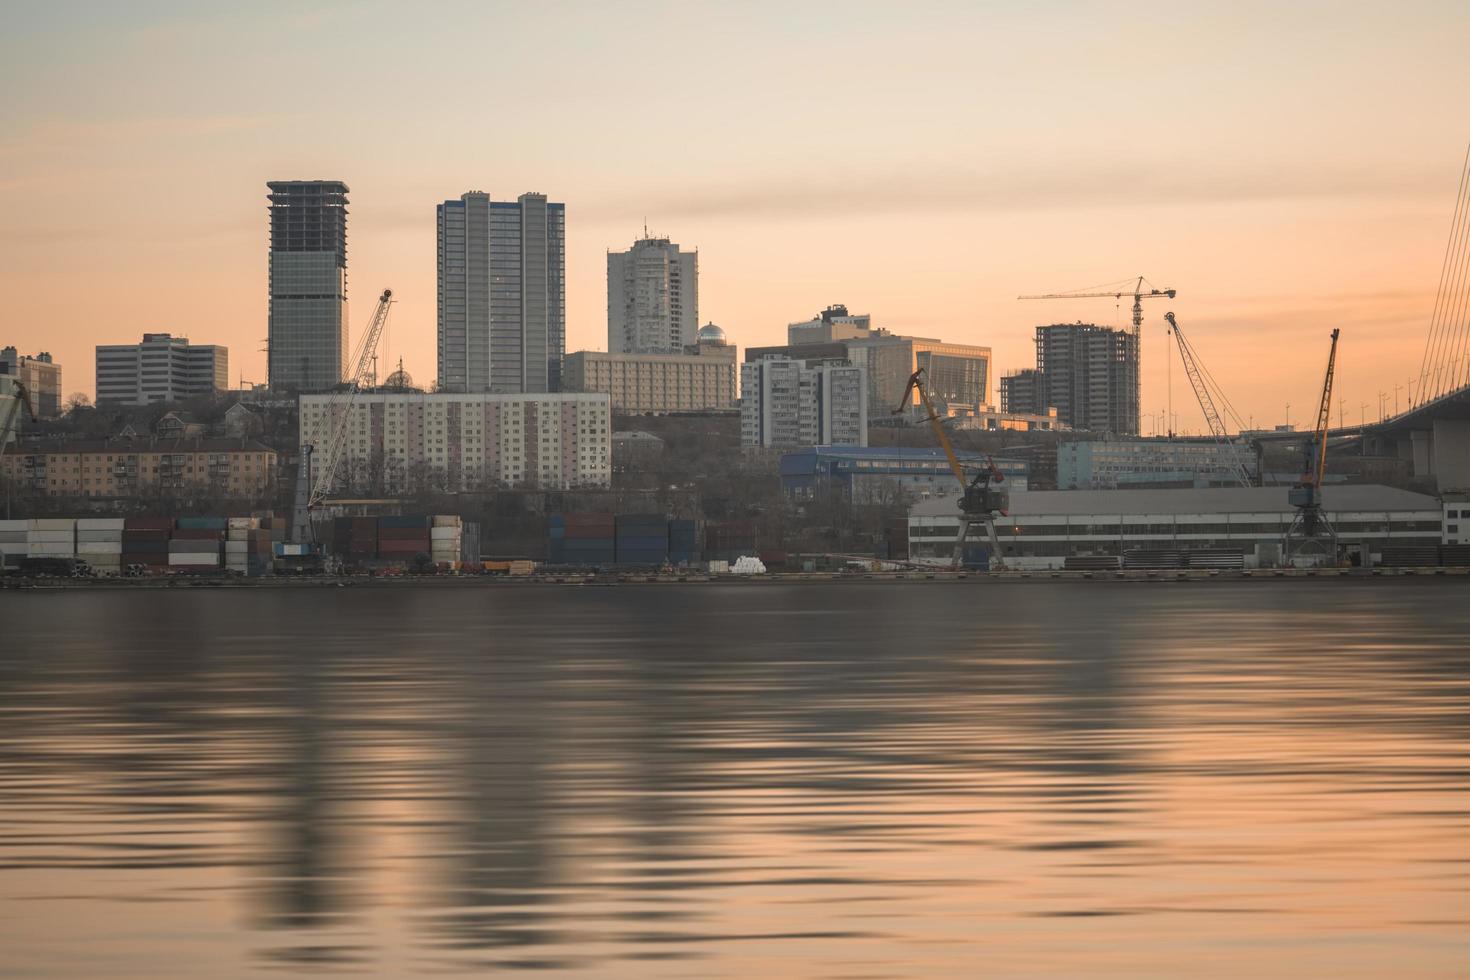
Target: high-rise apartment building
[308, 284]
[652, 298]
[1086, 372]
[405, 441]
[1020, 392]
[790, 403]
[41, 377]
[502, 294]
[162, 368]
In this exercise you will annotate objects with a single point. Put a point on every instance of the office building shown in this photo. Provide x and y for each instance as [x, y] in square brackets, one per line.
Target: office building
[1088, 373]
[830, 326]
[125, 468]
[1043, 528]
[502, 294]
[307, 342]
[871, 474]
[413, 441]
[958, 375]
[41, 377]
[792, 403]
[652, 298]
[702, 378]
[1137, 463]
[162, 368]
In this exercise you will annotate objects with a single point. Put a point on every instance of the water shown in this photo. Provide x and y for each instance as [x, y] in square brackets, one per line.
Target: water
[839, 781]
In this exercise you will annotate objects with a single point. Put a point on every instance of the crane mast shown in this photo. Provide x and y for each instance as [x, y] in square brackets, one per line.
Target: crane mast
[981, 500]
[22, 396]
[1310, 523]
[1206, 401]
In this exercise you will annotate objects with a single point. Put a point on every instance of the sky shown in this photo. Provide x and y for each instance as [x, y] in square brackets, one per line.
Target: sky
[1288, 168]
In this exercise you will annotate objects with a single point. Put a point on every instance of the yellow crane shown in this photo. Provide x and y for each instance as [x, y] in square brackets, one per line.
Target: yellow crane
[1310, 523]
[981, 498]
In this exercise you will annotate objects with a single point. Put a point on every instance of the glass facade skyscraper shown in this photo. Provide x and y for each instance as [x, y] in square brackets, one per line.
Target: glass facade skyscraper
[502, 294]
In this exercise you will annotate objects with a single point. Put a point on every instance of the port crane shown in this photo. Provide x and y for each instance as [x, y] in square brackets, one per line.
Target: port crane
[1310, 523]
[22, 396]
[1119, 290]
[982, 499]
[314, 480]
[1200, 381]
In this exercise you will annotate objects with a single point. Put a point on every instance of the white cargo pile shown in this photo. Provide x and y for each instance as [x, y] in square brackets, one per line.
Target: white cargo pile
[100, 544]
[13, 540]
[51, 537]
[748, 565]
[446, 538]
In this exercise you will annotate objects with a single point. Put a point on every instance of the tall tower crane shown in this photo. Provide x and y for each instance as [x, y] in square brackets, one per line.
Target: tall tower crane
[981, 498]
[1118, 290]
[1200, 380]
[1305, 495]
[314, 481]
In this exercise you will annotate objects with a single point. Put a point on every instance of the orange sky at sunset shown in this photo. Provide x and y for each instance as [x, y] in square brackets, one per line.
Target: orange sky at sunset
[1288, 168]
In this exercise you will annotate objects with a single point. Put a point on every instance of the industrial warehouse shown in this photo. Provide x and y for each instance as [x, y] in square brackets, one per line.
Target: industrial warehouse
[1043, 529]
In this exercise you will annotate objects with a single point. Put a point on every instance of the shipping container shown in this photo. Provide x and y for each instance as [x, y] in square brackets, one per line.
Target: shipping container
[100, 524]
[148, 524]
[203, 524]
[405, 521]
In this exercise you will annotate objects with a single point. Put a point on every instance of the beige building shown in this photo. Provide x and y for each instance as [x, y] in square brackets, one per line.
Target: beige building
[142, 467]
[41, 376]
[699, 380]
[400, 441]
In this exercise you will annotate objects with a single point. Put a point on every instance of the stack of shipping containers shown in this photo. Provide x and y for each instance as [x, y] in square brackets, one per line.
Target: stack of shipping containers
[13, 541]
[355, 539]
[445, 538]
[145, 542]
[51, 537]
[247, 547]
[197, 544]
[642, 539]
[403, 539]
[584, 539]
[683, 542]
[100, 544]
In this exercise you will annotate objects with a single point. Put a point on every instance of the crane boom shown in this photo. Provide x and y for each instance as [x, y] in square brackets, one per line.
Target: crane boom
[1206, 401]
[916, 381]
[339, 409]
[1324, 412]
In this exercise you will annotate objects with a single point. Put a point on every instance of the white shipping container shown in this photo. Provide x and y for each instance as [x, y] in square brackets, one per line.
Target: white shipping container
[100, 524]
[21, 525]
[237, 547]
[445, 533]
[193, 558]
[447, 520]
[12, 537]
[51, 524]
[99, 536]
[49, 551]
[51, 536]
[243, 523]
[99, 548]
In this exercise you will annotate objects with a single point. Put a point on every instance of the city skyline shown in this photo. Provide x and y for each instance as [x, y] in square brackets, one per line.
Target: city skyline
[1279, 205]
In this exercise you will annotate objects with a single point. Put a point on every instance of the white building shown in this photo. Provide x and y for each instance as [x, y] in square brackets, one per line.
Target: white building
[1044, 527]
[787, 403]
[502, 294]
[162, 368]
[652, 298]
[830, 326]
[468, 441]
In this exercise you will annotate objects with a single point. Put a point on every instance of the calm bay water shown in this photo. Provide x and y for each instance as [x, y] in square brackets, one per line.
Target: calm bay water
[839, 781]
